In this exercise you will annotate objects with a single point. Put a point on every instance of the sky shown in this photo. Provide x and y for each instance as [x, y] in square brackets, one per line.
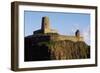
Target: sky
[64, 23]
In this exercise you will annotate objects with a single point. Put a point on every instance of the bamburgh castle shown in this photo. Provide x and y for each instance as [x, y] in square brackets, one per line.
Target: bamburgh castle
[47, 31]
[48, 44]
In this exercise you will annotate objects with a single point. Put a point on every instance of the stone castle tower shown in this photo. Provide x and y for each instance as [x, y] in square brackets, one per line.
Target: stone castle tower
[45, 29]
[45, 24]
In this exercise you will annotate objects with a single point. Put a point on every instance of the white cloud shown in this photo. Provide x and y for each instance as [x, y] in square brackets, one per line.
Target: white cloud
[74, 28]
[86, 34]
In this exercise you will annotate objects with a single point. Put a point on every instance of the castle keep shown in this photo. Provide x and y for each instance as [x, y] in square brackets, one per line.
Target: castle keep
[46, 31]
[45, 27]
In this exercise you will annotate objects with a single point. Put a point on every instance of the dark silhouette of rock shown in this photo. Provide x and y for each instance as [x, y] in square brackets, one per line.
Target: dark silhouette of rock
[38, 48]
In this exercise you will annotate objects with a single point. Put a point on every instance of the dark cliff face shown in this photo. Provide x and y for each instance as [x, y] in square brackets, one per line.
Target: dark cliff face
[42, 48]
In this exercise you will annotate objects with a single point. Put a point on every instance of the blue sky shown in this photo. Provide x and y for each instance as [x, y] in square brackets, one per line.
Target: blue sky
[64, 23]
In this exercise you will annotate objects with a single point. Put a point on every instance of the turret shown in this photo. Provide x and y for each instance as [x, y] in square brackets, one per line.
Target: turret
[45, 27]
[45, 24]
[77, 34]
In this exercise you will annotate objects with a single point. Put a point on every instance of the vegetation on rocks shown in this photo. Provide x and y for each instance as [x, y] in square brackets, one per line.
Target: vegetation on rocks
[67, 49]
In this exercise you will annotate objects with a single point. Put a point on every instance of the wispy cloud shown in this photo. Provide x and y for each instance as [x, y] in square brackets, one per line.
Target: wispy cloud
[86, 34]
[74, 27]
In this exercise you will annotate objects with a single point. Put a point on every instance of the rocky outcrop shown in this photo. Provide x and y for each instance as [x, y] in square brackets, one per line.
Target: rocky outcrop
[55, 50]
[67, 49]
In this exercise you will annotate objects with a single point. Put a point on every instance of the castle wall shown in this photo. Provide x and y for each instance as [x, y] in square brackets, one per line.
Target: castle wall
[63, 37]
